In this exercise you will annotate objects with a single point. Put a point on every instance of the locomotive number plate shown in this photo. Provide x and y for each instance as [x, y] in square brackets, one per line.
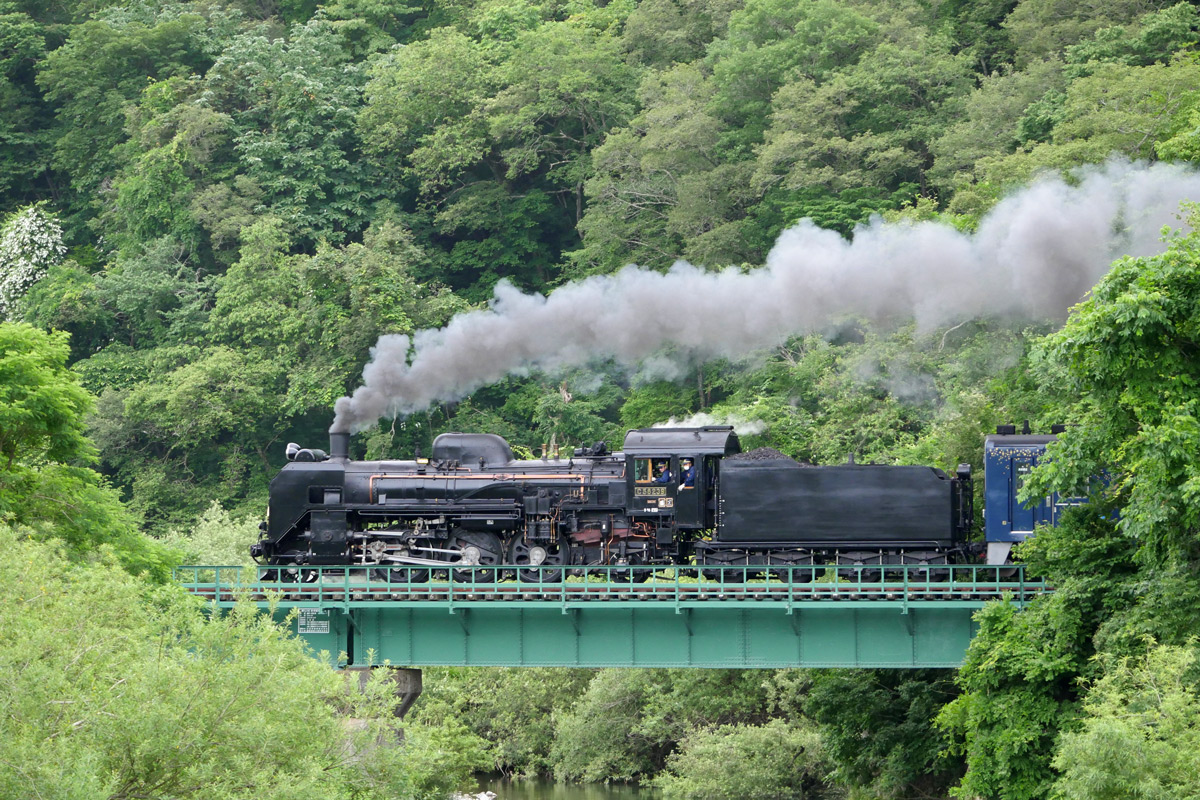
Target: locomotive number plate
[649, 491]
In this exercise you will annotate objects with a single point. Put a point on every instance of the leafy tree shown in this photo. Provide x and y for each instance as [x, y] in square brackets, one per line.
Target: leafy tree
[369, 26]
[628, 721]
[564, 87]
[422, 114]
[45, 481]
[1116, 109]
[30, 244]
[213, 369]
[512, 709]
[103, 65]
[656, 402]
[660, 33]
[1152, 39]
[877, 727]
[1018, 686]
[1121, 373]
[1044, 28]
[24, 127]
[488, 234]
[868, 124]
[66, 300]
[43, 403]
[995, 121]
[732, 762]
[635, 188]
[293, 103]
[144, 695]
[158, 297]
[1137, 737]
[177, 146]
[483, 215]
[976, 29]
[216, 538]
[1127, 354]
[772, 41]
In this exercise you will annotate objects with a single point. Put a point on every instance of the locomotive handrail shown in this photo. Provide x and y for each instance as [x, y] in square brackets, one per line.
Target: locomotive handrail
[793, 584]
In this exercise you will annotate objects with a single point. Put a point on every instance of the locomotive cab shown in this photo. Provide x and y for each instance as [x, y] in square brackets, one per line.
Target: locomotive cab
[670, 472]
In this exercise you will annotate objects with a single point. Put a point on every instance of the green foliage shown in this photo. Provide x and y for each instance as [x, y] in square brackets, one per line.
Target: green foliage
[30, 244]
[421, 109]
[294, 131]
[997, 116]
[1127, 353]
[65, 300]
[1018, 686]
[839, 211]
[877, 729]
[255, 192]
[511, 709]
[1124, 378]
[491, 235]
[976, 29]
[1153, 38]
[43, 404]
[664, 32]
[45, 481]
[1041, 28]
[283, 335]
[745, 762]
[869, 124]
[768, 42]
[105, 63]
[24, 128]
[143, 694]
[656, 402]
[628, 721]
[215, 538]
[1137, 736]
[564, 87]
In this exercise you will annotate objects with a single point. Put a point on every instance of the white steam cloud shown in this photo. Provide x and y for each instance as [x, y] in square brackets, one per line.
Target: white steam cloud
[741, 425]
[1034, 255]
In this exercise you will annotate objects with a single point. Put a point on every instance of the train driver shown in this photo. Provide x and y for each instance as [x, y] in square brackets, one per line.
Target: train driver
[687, 473]
[662, 471]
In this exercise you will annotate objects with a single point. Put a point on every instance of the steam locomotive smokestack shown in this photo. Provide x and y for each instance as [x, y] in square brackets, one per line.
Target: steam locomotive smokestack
[339, 446]
[1035, 253]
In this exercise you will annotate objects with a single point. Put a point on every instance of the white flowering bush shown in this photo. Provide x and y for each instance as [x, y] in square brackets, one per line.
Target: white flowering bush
[31, 242]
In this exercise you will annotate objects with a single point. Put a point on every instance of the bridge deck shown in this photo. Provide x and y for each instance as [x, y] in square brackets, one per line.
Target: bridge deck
[735, 617]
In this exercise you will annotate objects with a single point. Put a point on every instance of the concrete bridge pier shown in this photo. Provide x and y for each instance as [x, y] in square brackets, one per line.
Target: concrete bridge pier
[407, 684]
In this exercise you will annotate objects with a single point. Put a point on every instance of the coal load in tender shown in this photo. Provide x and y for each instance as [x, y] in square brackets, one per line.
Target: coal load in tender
[764, 454]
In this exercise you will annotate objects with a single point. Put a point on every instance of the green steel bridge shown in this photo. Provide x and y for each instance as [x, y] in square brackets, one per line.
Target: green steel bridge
[797, 616]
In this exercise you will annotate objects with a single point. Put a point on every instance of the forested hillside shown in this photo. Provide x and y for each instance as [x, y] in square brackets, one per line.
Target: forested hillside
[210, 211]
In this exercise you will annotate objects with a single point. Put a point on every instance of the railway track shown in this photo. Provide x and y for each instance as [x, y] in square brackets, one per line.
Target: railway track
[669, 592]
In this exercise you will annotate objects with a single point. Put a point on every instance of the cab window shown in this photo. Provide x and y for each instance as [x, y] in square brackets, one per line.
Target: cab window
[641, 470]
[687, 473]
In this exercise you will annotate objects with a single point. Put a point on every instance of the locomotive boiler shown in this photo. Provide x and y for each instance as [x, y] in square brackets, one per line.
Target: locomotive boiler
[671, 496]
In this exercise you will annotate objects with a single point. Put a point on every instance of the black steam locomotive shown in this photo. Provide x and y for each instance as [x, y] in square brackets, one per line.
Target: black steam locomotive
[673, 496]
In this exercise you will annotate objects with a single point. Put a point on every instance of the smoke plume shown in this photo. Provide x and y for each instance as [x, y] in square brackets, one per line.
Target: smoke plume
[1033, 256]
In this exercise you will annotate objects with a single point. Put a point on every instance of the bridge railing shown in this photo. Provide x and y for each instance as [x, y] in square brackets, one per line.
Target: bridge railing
[790, 583]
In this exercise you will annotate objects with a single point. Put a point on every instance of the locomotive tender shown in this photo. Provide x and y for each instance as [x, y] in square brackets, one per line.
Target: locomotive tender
[672, 496]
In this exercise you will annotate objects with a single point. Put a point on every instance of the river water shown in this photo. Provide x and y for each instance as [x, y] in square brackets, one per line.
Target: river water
[549, 790]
